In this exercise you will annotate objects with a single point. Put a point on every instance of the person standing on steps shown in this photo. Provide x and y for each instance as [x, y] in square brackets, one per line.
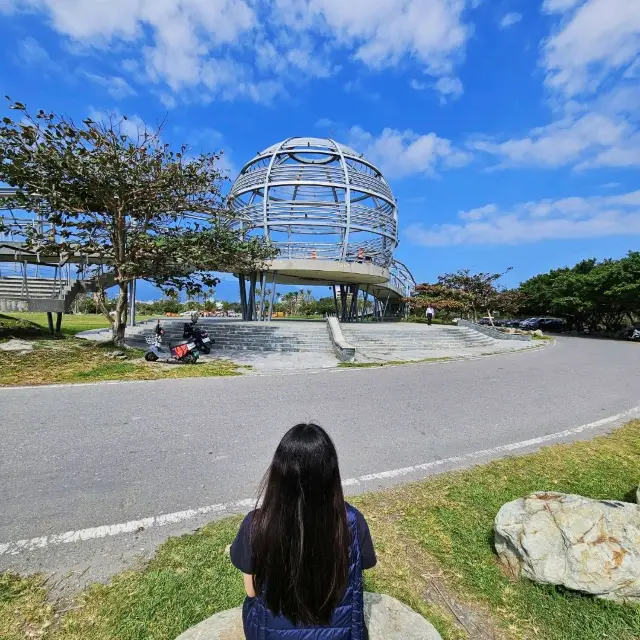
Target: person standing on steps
[303, 551]
[431, 312]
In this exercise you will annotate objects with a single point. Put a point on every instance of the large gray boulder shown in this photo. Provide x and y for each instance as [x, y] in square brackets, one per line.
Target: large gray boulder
[586, 545]
[387, 619]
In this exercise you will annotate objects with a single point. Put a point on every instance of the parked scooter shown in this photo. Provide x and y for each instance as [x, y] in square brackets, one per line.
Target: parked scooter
[201, 338]
[632, 334]
[185, 353]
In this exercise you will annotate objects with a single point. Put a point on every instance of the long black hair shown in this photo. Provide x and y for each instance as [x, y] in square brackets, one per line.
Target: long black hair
[299, 536]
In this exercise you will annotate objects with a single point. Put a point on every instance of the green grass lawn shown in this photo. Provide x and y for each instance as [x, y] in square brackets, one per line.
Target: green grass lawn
[67, 359]
[451, 517]
[71, 324]
[433, 538]
[56, 361]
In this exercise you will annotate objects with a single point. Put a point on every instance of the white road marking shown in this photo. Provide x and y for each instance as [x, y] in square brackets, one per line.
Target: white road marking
[104, 531]
[505, 448]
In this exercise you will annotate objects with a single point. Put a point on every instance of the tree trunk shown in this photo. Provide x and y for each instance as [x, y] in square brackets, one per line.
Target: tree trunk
[119, 322]
[101, 304]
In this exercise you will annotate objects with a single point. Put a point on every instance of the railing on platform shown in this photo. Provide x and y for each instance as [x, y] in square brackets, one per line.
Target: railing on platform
[401, 278]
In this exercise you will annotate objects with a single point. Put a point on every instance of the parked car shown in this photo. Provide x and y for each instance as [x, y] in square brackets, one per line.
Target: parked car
[552, 324]
[512, 324]
[485, 321]
[529, 324]
[544, 324]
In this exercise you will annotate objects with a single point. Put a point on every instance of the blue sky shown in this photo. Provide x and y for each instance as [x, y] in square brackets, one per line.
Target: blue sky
[509, 130]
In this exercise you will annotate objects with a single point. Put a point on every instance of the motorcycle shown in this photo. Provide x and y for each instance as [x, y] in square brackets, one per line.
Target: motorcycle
[197, 335]
[185, 353]
[632, 334]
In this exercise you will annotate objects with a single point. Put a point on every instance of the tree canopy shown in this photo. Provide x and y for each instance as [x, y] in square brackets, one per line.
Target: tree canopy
[591, 293]
[464, 292]
[125, 198]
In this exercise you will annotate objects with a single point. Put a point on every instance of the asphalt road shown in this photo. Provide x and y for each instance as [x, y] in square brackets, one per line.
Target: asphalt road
[75, 457]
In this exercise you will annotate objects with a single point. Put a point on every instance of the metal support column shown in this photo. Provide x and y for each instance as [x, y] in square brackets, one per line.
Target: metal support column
[252, 296]
[353, 307]
[335, 301]
[384, 311]
[242, 285]
[50, 322]
[58, 323]
[263, 292]
[132, 303]
[273, 296]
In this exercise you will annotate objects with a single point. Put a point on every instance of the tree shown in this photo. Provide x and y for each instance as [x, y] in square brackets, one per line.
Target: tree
[590, 294]
[508, 302]
[193, 305]
[127, 200]
[436, 295]
[462, 291]
[474, 291]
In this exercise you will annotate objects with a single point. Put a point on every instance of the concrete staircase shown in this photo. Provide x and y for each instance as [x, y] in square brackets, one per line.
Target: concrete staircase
[399, 337]
[235, 335]
[39, 294]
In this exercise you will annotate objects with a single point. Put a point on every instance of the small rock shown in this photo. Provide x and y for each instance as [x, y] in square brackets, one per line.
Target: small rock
[116, 354]
[16, 345]
[386, 618]
[585, 545]
[537, 332]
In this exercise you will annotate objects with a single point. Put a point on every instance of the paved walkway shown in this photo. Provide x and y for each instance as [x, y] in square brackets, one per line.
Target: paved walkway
[78, 457]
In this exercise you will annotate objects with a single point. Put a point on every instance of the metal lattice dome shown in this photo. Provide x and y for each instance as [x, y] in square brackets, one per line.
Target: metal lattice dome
[313, 198]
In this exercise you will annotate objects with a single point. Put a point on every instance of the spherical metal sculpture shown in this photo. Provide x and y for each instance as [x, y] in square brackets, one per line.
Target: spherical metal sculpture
[313, 198]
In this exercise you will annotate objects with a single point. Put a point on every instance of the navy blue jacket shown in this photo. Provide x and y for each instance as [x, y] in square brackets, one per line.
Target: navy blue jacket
[347, 622]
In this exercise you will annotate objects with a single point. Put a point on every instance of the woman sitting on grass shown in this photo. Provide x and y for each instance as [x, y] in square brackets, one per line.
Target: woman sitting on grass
[303, 551]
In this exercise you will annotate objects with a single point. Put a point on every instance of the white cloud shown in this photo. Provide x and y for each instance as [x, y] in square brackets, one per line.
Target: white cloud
[116, 86]
[252, 48]
[32, 53]
[510, 19]
[404, 153]
[589, 61]
[168, 100]
[358, 87]
[381, 32]
[567, 218]
[181, 46]
[564, 142]
[324, 123]
[601, 37]
[559, 6]
[610, 185]
[598, 133]
[449, 87]
[479, 213]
